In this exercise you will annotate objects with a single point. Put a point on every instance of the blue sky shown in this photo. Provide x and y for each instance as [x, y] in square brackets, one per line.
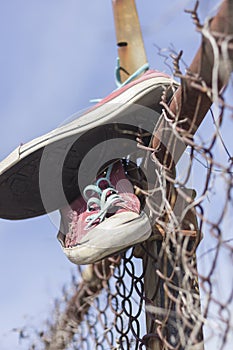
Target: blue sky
[56, 55]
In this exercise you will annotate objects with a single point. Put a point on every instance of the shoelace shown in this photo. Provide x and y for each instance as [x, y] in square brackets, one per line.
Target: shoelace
[102, 201]
[118, 81]
[136, 74]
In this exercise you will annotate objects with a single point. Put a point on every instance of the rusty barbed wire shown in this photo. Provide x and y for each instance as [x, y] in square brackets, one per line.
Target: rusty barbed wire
[194, 16]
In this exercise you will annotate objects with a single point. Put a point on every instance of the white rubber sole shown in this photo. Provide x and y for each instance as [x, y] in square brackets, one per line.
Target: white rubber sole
[33, 178]
[113, 235]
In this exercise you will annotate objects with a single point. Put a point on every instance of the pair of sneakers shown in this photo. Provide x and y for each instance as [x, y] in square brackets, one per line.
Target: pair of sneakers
[100, 213]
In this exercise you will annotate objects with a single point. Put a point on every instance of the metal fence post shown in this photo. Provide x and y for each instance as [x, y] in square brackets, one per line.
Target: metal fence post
[130, 44]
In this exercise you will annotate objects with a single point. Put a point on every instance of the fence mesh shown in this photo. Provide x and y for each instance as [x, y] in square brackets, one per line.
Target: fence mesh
[176, 289]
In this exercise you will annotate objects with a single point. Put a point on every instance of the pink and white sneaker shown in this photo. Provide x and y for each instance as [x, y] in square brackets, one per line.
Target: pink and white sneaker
[106, 220]
[41, 176]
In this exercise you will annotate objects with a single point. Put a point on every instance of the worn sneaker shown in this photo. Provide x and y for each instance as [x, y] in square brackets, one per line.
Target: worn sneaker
[41, 176]
[106, 220]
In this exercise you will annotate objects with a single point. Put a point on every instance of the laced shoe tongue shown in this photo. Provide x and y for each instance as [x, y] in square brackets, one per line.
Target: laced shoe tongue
[75, 218]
